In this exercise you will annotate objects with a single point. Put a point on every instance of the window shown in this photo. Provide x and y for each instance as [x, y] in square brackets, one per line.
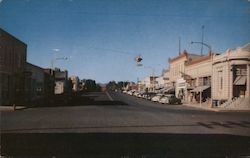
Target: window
[221, 83]
[220, 77]
[207, 81]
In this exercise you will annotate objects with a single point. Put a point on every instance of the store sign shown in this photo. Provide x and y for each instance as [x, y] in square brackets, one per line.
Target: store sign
[181, 83]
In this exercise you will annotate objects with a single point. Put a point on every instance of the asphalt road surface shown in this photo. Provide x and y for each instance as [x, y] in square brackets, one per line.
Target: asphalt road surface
[118, 125]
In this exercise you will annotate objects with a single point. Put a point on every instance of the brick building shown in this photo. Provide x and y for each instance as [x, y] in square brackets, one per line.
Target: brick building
[12, 68]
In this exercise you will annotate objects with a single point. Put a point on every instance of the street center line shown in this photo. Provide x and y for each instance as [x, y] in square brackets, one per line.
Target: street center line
[110, 98]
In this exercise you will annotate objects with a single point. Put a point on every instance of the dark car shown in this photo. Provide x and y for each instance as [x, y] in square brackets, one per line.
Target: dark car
[170, 99]
[174, 100]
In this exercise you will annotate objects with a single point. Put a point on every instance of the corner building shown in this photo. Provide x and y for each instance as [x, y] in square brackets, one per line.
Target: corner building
[231, 75]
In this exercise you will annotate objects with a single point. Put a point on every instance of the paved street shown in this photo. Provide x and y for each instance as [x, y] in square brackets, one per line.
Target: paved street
[124, 125]
[136, 115]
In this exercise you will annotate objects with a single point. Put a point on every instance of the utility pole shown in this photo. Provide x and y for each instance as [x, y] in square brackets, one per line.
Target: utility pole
[56, 50]
[179, 45]
[202, 38]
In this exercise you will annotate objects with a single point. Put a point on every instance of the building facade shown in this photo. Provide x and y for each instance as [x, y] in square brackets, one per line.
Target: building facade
[49, 83]
[177, 68]
[61, 81]
[231, 74]
[148, 84]
[34, 82]
[12, 69]
[197, 75]
[75, 83]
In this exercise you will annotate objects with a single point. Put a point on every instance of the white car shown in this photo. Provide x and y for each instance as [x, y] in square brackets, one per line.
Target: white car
[125, 92]
[131, 92]
[165, 99]
[157, 97]
[140, 95]
[136, 94]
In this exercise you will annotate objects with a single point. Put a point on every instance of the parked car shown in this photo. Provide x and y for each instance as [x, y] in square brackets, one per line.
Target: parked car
[165, 99]
[136, 94]
[148, 95]
[140, 95]
[157, 97]
[125, 92]
[131, 92]
[170, 99]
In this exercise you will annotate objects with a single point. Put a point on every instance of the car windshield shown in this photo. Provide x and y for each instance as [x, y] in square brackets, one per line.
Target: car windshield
[124, 78]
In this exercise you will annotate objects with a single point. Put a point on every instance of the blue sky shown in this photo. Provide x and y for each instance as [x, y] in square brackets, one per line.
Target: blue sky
[102, 37]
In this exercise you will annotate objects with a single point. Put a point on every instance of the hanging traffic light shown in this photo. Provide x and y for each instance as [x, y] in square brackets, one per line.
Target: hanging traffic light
[138, 59]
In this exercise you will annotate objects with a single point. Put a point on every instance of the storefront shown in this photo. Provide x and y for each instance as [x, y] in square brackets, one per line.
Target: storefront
[180, 91]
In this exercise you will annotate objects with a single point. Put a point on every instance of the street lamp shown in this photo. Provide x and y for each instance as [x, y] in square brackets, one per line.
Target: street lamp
[202, 43]
[56, 58]
[60, 58]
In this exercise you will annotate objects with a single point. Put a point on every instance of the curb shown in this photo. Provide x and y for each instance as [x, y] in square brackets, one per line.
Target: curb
[202, 108]
[218, 110]
[10, 108]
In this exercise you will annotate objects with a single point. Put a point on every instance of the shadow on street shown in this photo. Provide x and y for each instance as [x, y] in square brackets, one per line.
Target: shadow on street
[211, 125]
[72, 100]
[123, 145]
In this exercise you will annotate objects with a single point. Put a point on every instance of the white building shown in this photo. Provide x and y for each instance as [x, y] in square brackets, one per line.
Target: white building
[60, 87]
[148, 84]
[75, 82]
[231, 74]
[61, 81]
[177, 68]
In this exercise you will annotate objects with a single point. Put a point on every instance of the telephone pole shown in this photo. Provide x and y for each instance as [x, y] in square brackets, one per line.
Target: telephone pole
[202, 38]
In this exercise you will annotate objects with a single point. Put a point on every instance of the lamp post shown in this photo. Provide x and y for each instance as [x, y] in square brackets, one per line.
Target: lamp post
[202, 43]
[56, 50]
[53, 61]
[210, 52]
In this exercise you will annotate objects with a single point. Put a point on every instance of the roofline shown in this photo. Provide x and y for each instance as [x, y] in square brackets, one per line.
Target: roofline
[199, 60]
[13, 36]
[184, 54]
[35, 66]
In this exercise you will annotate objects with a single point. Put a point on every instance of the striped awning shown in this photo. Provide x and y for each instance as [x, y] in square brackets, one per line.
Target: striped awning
[240, 80]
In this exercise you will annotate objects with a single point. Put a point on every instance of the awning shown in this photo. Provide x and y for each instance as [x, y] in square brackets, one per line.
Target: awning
[169, 89]
[186, 76]
[159, 88]
[200, 88]
[240, 80]
[190, 88]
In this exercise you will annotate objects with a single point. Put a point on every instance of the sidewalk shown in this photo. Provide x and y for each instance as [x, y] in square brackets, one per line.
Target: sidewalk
[208, 107]
[10, 108]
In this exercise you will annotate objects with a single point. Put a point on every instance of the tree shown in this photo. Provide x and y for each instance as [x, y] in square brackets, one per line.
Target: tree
[90, 86]
[111, 85]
